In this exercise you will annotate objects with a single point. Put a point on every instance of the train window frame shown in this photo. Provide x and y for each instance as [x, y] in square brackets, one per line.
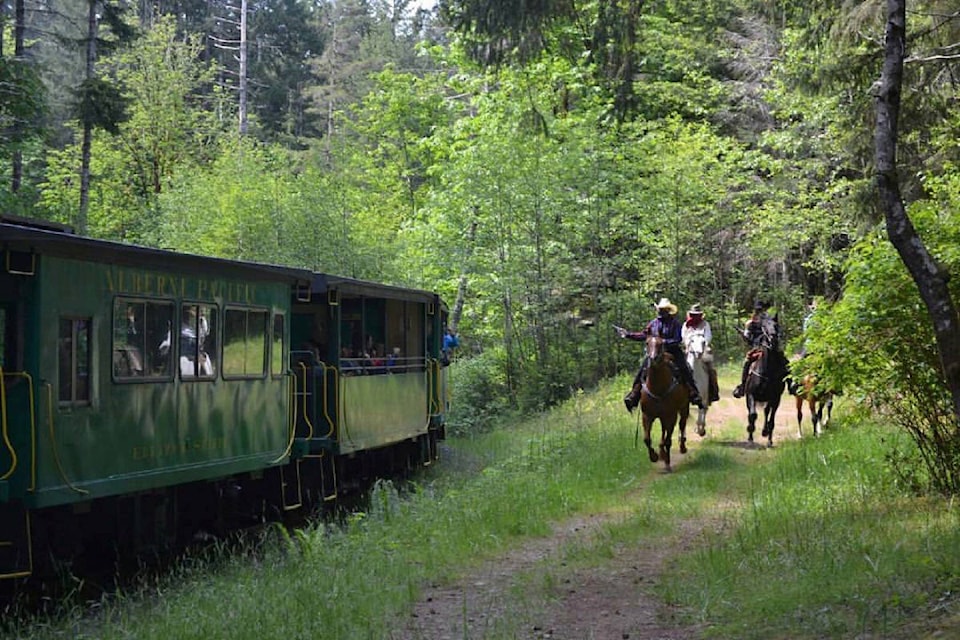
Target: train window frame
[206, 325]
[227, 339]
[277, 360]
[71, 325]
[150, 348]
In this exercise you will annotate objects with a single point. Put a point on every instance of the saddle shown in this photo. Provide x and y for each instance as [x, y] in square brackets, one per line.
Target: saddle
[754, 354]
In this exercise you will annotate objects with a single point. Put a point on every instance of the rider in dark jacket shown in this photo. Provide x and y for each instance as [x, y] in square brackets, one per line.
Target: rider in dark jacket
[666, 326]
[760, 331]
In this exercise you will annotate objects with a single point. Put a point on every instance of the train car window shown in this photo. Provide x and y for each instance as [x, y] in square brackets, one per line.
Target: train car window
[198, 342]
[244, 343]
[141, 340]
[276, 353]
[74, 361]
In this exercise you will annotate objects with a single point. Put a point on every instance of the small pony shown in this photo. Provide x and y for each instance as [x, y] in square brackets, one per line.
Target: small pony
[816, 401]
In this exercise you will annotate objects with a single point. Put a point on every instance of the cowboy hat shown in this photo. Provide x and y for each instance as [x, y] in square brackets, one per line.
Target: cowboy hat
[666, 304]
[695, 310]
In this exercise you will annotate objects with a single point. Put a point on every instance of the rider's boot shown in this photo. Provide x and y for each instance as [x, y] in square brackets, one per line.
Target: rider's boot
[738, 391]
[714, 387]
[630, 401]
[695, 398]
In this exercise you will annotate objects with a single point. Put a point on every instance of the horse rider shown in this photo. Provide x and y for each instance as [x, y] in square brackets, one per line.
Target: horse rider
[760, 330]
[666, 326]
[793, 386]
[697, 325]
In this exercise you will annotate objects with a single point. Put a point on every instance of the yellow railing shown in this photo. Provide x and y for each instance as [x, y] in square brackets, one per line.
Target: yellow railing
[5, 427]
[53, 442]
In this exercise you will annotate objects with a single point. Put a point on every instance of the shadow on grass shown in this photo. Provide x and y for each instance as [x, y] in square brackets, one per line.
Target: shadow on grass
[707, 461]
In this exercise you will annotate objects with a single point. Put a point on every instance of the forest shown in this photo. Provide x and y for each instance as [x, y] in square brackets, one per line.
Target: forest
[552, 168]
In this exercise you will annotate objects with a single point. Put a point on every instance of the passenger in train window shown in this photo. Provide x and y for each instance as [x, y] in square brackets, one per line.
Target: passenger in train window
[376, 360]
[393, 359]
[349, 366]
[128, 360]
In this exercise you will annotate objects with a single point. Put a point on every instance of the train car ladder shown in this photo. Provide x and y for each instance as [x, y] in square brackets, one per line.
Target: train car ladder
[291, 491]
[16, 555]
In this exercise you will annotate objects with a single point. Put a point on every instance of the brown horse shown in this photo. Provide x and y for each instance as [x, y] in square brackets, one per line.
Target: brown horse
[817, 401]
[662, 396]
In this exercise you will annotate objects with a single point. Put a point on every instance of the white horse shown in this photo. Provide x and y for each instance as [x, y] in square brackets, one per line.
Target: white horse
[698, 355]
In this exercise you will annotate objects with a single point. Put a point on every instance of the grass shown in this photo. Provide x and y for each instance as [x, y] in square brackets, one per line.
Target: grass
[824, 545]
[817, 541]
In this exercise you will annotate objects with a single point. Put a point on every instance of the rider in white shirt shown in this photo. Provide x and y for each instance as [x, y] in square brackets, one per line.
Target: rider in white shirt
[697, 325]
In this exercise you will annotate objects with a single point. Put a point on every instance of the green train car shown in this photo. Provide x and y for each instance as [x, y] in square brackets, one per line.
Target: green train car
[370, 391]
[148, 394]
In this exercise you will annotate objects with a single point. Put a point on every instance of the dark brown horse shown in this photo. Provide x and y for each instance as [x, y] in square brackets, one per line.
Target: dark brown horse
[765, 384]
[662, 397]
[816, 401]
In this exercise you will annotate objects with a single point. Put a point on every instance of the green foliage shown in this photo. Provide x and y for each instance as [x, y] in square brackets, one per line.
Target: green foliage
[250, 205]
[863, 557]
[900, 372]
[22, 100]
[480, 395]
[170, 126]
[100, 103]
[503, 29]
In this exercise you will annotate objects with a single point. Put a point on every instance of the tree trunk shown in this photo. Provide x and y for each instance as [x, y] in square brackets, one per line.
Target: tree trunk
[457, 311]
[243, 68]
[19, 26]
[931, 279]
[87, 124]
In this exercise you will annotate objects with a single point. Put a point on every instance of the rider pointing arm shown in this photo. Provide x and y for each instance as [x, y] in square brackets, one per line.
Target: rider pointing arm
[667, 327]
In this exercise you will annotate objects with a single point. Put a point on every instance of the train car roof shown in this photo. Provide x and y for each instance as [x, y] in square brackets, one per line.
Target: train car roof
[20, 234]
[323, 282]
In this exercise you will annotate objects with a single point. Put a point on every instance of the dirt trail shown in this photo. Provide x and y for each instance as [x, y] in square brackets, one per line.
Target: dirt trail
[615, 602]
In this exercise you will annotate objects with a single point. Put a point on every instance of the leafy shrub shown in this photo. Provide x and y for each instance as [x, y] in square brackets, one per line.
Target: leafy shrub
[878, 342]
[478, 388]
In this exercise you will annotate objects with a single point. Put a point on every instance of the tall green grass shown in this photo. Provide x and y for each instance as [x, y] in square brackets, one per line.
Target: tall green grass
[823, 544]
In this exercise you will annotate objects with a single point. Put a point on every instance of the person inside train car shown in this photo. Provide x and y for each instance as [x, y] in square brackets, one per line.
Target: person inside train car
[393, 359]
[349, 366]
[129, 361]
[450, 342]
[193, 333]
[377, 361]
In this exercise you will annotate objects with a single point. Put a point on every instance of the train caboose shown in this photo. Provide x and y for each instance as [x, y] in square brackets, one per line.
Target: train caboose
[370, 392]
[145, 393]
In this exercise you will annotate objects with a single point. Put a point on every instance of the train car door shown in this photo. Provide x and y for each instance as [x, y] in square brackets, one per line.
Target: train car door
[15, 395]
[16, 382]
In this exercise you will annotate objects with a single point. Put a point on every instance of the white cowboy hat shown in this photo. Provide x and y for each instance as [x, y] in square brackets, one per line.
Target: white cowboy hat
[666, 304]
[695, 310]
